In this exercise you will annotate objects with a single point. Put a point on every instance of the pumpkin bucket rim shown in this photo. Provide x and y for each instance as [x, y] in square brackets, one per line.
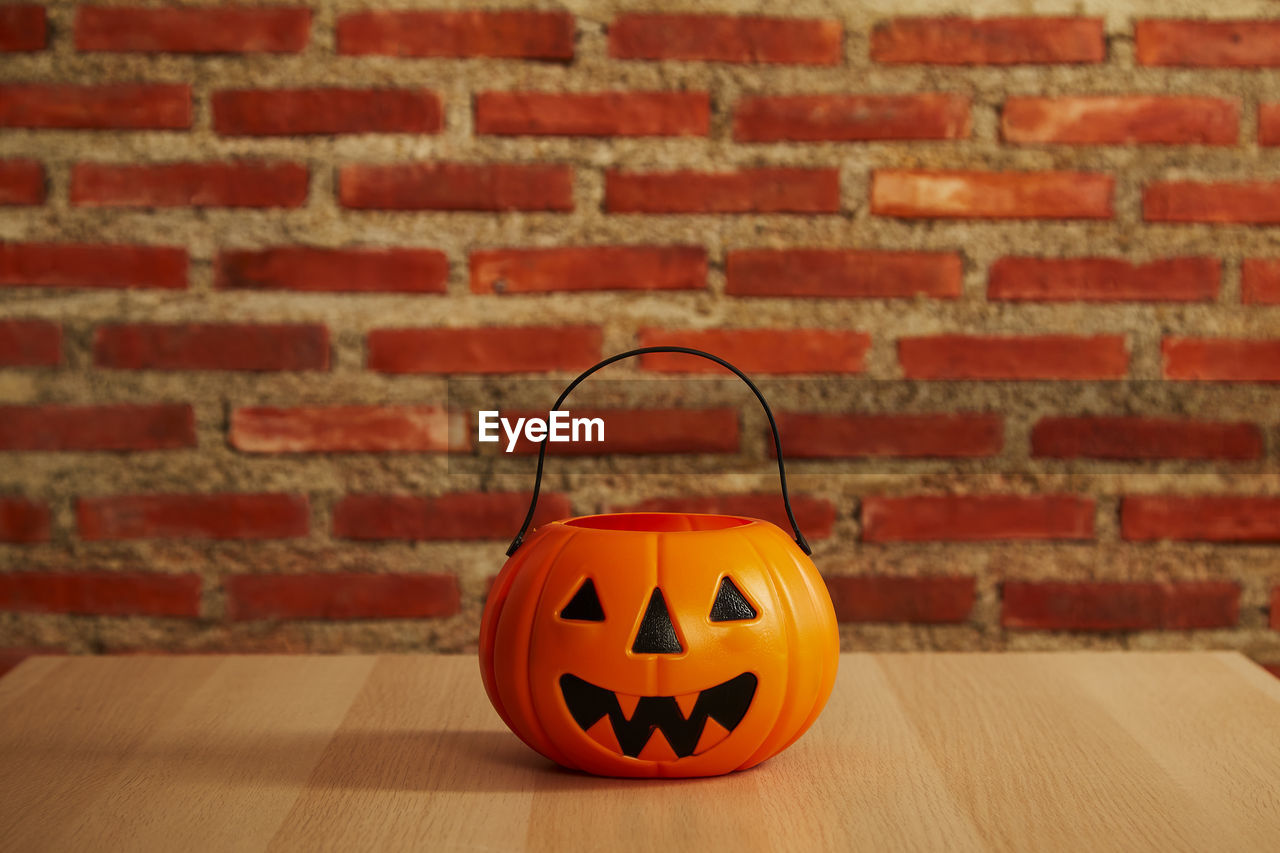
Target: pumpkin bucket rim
[660, 522]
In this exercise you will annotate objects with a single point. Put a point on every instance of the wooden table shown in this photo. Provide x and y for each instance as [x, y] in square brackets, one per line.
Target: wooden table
[1019, 752]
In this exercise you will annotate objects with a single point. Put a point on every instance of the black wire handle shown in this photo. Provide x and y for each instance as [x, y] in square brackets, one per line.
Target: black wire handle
[773, 425]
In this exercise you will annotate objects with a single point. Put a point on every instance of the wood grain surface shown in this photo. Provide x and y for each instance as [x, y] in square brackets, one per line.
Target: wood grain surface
[1016, 752]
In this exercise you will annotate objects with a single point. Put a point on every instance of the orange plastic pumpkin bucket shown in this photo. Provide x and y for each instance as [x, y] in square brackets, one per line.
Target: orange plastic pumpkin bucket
[659, 644]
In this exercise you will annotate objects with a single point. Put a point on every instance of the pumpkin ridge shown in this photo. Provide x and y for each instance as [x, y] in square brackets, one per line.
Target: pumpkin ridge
[552, 751]
[489, 635]
[825, 683]
[765, 744]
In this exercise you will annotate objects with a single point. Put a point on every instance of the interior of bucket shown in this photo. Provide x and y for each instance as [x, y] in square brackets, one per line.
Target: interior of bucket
[658, 522]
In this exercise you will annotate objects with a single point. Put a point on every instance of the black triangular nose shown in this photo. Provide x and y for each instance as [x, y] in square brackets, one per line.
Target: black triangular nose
[657, 636]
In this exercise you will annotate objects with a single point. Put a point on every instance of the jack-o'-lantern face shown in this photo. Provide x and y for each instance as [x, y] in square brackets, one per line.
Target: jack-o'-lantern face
[659, 644]
[659, 727]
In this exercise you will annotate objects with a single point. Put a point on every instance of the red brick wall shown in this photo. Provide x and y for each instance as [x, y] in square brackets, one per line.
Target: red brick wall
[1015, 283]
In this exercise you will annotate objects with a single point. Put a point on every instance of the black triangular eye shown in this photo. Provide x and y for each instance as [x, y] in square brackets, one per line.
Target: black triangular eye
[585, 605]
[731, 605]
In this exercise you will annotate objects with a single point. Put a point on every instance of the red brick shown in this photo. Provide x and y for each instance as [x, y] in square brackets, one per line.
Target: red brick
[317, 595]
[593, 114]
[1269, 124]
[758, 350]
[23, 522]
[1273, 668]
[763, 190]
[1221, 359]
[837, 436]
[21, 182]
[1218, 44]
[230, 184]
[976, 518]
[916, 193]
[101, 593]
[816, 516]
[112, 106]
[211, 29]
[339, 429]
[1205, 518]
[22, 28]
[514, 34]
[298, 112]
[589, 268]
[849, 118]
[1122, 120]
[229, 346]
[84, 266]
[638, 431]
[1134, 606]
[30, 343]
[1104, 280]
[1261, 281]
[989, 41]
[457, 186]
[456, 516]
[1013, 357]
[839, 273]
[1144, 438]
[303, 268]
[118, 426]
[726, 38]
[1246, 202]
[880, 598]
[208, 516]
[496, 349]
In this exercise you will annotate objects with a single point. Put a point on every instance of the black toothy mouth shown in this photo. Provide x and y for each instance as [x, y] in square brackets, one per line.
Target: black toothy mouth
[659, 727]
